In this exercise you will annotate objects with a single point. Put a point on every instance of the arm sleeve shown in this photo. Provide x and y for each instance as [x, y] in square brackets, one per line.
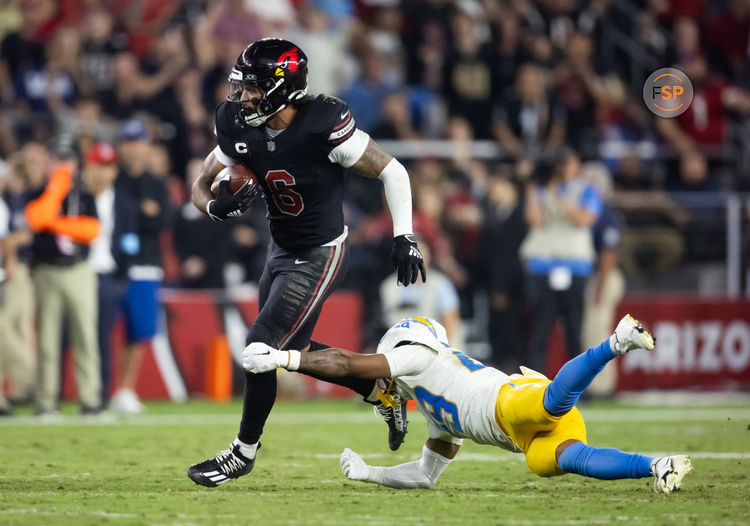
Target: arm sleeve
[422, 473]
[348, 152]
[223, 158]
[42, 210]
[408, 360]
[398, 195]
[81, 229]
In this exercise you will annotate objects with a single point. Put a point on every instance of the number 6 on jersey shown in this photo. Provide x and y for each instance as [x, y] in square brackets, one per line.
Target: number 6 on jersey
[287, 200]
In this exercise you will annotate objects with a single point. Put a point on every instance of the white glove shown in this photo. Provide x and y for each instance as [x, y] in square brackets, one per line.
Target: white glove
[353, 466]
[259, 357]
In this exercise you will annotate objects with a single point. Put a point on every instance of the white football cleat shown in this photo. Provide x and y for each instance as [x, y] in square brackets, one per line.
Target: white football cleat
[630, 335]
[668, 472]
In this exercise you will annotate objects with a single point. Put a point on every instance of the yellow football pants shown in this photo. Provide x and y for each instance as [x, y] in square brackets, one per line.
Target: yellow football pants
[521, 414]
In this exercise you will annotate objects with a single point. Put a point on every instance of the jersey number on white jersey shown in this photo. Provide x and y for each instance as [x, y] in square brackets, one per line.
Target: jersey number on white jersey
[442, 412]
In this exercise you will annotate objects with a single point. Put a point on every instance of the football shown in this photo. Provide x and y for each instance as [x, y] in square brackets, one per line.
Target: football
[237, 175]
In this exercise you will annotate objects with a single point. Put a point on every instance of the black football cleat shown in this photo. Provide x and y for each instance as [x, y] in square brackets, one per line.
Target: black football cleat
[227, 464]
[395, 417]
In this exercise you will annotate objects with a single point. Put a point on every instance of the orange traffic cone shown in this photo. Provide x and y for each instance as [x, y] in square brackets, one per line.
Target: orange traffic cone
[219, 370]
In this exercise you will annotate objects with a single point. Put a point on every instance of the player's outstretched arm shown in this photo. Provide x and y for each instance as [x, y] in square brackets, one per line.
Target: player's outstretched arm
[260, 358]
[422, 473]
[406, 257]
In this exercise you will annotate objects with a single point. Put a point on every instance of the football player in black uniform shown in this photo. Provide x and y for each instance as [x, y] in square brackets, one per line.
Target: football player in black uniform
[299, 147]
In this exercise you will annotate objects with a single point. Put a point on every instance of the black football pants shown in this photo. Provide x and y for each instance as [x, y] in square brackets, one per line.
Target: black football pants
[291, 293]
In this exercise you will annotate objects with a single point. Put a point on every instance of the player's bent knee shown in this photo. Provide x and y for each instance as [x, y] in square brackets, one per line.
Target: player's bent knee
[541, 457]
[543, 464]
[562, 447]
[260, 332]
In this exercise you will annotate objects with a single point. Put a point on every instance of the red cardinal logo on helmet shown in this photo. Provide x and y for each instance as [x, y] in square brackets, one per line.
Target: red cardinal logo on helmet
[289, 59]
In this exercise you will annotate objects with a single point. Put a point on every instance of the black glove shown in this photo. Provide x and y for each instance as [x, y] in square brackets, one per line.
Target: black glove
[407, 259]
[227, 204]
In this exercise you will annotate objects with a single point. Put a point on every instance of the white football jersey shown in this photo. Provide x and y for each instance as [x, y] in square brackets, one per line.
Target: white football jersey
[457, 394]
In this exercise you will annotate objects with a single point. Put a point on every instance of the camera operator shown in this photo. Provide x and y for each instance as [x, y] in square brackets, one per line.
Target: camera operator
[558, 252]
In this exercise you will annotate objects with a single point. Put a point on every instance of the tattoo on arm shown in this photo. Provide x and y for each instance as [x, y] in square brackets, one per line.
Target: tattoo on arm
[326, 362]
[372, 161]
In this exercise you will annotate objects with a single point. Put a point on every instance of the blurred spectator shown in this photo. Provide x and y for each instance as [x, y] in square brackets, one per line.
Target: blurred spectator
[425, 36]
[367, 93]
[100, 45]
[64, 222]
[5, 354]
[112, 251]
[395, 119]
[325, 48]
[509, 53]
[686, 43]
[694, 191]
[728, 40]
[467, 74]
[145, 274]
[693, 175]
[144, 21]
[500, 268]
[607, 284]
[630, 132]
[558, 253]
[437, 298]
[528, 123]
[202, 245]
[579, 90]
[705, 123]
[17, 308]
[46, 84]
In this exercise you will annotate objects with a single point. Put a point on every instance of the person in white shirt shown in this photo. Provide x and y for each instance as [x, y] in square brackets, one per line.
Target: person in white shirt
[463, 399]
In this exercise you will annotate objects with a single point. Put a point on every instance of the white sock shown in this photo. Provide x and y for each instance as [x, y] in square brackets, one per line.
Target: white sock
[247, 450]
[653, 465]
[613, 344]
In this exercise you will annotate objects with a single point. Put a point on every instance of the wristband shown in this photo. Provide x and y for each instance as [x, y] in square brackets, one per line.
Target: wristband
[294, 359]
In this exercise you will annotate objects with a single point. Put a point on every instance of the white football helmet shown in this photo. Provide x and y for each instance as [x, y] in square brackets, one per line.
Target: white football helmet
[418, 329]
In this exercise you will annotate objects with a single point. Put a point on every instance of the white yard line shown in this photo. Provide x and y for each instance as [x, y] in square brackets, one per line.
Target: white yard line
[676, 414]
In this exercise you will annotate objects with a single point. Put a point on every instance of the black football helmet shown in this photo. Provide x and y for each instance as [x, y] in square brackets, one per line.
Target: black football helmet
[278, 69]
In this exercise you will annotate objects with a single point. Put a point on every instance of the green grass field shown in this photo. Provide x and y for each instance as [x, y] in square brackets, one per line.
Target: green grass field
[132, 471]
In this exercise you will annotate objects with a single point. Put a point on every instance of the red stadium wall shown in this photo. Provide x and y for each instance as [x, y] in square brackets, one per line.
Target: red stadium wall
[178, 363]
[701, 344]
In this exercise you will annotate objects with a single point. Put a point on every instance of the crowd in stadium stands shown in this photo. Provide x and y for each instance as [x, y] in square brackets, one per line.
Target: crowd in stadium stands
[556, 84]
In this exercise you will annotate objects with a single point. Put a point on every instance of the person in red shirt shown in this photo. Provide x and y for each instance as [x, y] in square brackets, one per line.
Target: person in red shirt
[705, 123]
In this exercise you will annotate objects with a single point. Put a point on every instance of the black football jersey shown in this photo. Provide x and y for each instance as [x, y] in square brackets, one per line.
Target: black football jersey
[302, 187]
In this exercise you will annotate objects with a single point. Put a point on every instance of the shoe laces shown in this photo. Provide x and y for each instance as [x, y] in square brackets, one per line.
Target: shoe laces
[384, 411]
[395, 413]
[229, 462]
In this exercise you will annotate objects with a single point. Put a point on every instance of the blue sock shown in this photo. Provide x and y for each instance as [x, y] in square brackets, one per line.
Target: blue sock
[604, 463]
[575, 376]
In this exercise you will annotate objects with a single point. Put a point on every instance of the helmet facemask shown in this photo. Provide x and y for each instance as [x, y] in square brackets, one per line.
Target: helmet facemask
[275, 98]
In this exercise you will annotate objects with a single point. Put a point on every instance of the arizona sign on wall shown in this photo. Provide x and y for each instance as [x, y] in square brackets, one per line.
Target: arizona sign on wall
[700, 344]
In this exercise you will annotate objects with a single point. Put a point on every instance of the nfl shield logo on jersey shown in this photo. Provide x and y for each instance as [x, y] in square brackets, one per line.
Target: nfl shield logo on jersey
[271, 146]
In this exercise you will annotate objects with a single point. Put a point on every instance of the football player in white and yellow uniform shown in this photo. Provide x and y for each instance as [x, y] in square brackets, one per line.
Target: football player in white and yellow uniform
[463, 399]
